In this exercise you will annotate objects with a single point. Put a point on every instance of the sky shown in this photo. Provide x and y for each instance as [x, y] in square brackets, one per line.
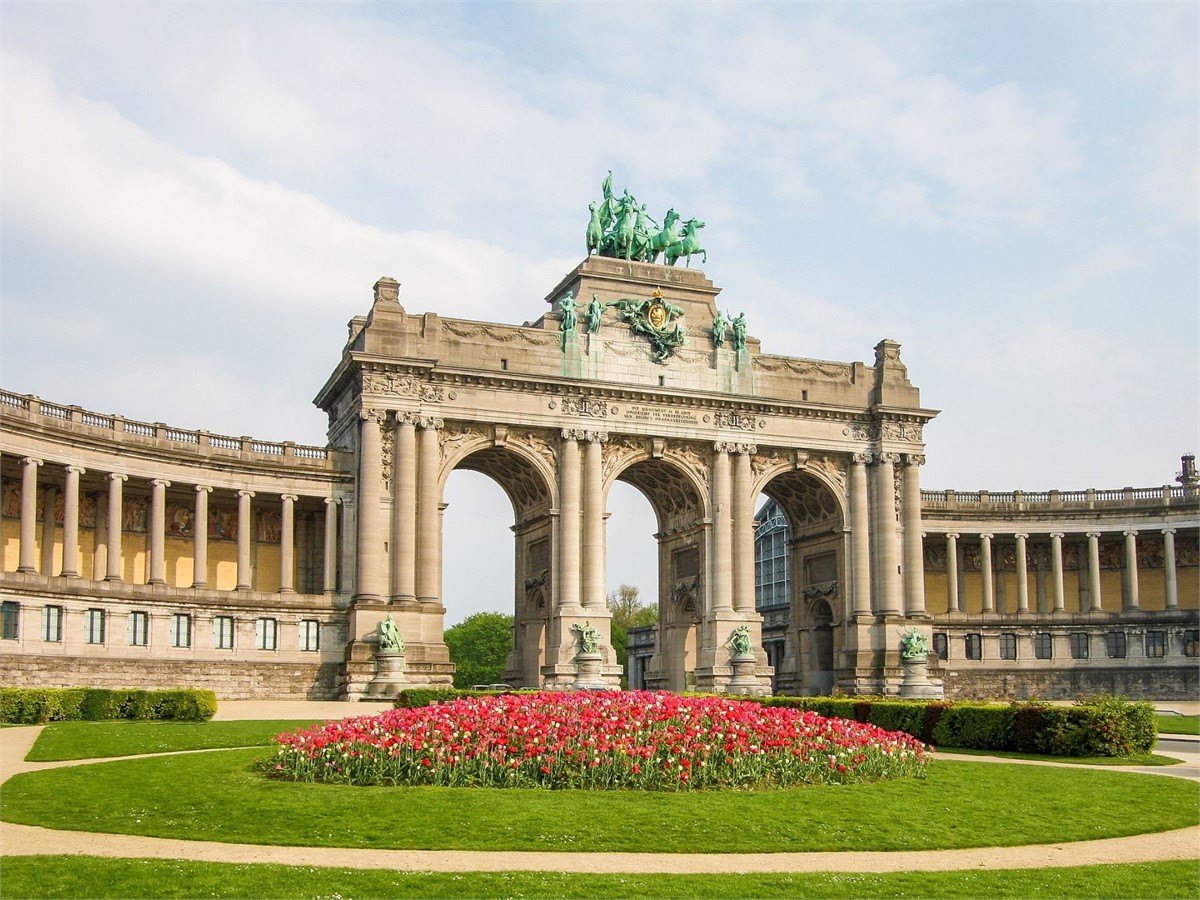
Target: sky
[196, 198]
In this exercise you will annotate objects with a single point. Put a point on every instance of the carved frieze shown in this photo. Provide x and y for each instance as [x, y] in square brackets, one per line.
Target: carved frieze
[769, 458]
[393, 384]
[809, 367]
[502, 335]
[888, 431]
[620, 449]
[739, 419]
[583, 406]
[833, 467]
[451, 439]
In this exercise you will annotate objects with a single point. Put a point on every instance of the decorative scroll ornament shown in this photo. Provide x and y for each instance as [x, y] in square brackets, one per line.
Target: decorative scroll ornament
[581, 406]
[736, 419]
[653, 318]
[619, 227]
[888, 431]
[392, 384]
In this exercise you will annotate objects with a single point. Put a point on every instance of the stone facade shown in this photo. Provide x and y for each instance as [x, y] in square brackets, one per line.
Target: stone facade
[301, 552]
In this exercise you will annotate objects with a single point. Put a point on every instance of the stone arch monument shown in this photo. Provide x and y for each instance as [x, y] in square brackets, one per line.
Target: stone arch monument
[634, 386]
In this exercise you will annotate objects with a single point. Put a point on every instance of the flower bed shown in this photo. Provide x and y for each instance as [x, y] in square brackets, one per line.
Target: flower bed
[638, 740]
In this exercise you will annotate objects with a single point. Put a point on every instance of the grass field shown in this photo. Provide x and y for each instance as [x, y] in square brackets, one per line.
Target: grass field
[220, 796]
[70, 877]
[99, 740]
[1179, 724]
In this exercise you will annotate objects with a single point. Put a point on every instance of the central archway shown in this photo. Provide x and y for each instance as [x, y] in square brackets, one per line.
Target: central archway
[522, 473]
[673, 483]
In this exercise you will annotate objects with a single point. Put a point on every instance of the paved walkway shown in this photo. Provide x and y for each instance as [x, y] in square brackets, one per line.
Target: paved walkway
[20, 840]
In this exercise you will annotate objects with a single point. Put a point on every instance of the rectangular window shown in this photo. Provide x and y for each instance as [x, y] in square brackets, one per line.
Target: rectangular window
[1008, 645]
[52, 617]
[974, 646]
[1079, 645]
[181, 630]
[941, 645]
[9, 613]
[1191, 643]
[1156, 644]
[1043, 645]
[223, 632]
[1114, 644]
[137, 631]
[266, 634]
[310, 634]
[93, 626]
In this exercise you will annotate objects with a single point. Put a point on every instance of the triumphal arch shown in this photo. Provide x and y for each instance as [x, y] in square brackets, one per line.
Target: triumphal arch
[633, 373]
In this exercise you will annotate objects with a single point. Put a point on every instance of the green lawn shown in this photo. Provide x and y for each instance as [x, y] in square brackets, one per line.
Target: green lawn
[70, 877]
[1148, 759]
[1179, 724]
[219, 796]
[97, 740]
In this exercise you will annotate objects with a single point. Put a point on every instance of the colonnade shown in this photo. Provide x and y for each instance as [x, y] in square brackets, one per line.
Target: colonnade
[886, 551]
[1052, 598]
[107, 559]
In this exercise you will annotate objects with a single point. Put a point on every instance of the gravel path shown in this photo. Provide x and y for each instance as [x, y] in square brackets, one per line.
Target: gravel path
[19, 840]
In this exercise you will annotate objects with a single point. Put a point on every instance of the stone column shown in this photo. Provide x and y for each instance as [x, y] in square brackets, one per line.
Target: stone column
[1056, 570]
[429, 517]
[115, 524]
[70, 560]
[722, 598]
[1169, 574]
[287, 545]
[158, 531]
[914, 556]
[27, 560]
[243, 540]
[1022, 574]
[593, 521]
[329, 580]
[100, 538]
[49, 495]
[200, 537]
[1094, 571]
[985, 572]
[743, 529]
[404, 514]
[569, 512]
[952, 573]
[887, 571]
[860, 534]
[370, 565]
[1131, 570]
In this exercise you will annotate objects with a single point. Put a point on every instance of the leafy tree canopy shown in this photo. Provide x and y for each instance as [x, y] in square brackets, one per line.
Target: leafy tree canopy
[479, 647]
[628, 612]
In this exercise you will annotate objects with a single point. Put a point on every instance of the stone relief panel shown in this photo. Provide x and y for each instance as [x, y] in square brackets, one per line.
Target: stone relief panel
[935, 557]
[810, 367]
[533, 337]
[888, 431]
[694, 457]
[395, 384]
[1150, 551]
[619, 450]
[583, 406]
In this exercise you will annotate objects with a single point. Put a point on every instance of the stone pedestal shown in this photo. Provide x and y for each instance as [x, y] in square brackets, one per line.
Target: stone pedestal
[916, 684]
[588, 672]
[389, 675]
[745, 678]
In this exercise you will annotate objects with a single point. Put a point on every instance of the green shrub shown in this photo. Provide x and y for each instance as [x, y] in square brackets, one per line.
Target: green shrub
[36, 706]
[898, 715]
[975, 727]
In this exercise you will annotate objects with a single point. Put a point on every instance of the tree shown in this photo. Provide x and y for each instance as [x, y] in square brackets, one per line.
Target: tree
[628, 612]
[479, 647]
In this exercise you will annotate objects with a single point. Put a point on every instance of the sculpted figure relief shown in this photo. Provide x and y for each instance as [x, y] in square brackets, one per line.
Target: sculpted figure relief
[739, 332]
[739, 641]
[719, 327]
[913, 645]
[568, 318]
[389, 636]
[621, 227]
[595, 312]
[588, 636]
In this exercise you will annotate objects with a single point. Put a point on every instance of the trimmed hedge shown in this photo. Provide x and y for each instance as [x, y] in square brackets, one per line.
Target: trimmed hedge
[1098, 726]
[415, 697]
[36, 706]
